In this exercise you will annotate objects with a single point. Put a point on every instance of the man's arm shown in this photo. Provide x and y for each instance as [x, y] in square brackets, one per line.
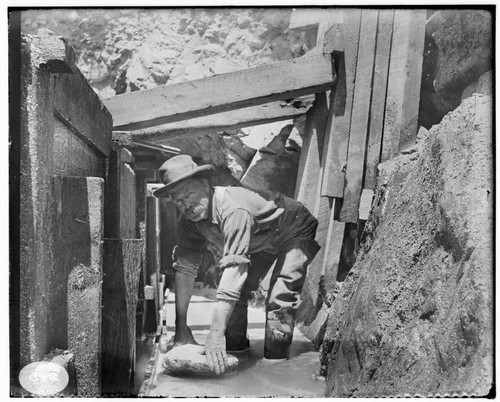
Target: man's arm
[215, 345]
[233, 277]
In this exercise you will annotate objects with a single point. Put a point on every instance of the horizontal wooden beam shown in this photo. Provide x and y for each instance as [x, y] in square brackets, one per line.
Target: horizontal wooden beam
[227, 121]
[221, 93]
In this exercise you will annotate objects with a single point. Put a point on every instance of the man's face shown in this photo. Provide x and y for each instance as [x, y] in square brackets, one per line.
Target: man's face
[191, 196]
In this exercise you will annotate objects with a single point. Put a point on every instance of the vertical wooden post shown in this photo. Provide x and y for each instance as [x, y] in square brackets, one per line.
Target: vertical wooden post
[333, 186]
[120, 202]
[80, 247]
[360, 111]
[377, 109]
[122, 264]
[168, 215]
[141, 190]
[152, 259]
[308, 192]
[403, 91]
[333, 248]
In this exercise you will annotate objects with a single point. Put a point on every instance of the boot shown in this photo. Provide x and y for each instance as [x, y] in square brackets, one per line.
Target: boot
[278, 335]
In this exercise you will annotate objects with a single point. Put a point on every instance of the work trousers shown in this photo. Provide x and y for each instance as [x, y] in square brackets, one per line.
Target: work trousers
[282, 299]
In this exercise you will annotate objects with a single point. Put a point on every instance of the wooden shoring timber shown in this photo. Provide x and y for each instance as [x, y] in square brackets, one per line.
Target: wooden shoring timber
[79, 256]
[403, 88]
[141, 188]
[311, 153]
[307, 190]
[334, 175]
[333, 248]
[227, 121]
[361, 112]
[221, 93]
[365, 204]
[153, 256]
[377, 109]
[120, 200]
[122, 264]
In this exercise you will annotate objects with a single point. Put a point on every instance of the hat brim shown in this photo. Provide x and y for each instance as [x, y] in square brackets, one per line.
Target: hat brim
[203, 170]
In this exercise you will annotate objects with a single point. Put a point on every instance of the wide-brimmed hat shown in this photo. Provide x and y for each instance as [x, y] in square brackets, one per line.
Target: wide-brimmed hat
[178, 168]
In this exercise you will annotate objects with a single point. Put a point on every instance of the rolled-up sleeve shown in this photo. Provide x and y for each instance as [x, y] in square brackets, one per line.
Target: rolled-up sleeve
[187, 254]
[237, 229]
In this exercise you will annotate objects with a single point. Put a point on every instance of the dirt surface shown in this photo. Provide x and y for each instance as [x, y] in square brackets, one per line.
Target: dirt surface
[414, 316]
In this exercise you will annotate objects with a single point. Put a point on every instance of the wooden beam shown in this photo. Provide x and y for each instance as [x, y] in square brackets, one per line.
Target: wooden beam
[333, 248]
[365, 204]
[255, 86]
[227, 121]
[333, 182]
[377, 109]
[141, 190]
[120, 218]
[122, 266]
[78, 251]
[153, 256]
[403, 90]
[361, 113]
[310, 155]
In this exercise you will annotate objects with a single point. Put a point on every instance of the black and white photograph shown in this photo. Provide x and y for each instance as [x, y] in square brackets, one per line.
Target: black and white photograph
[237, 201]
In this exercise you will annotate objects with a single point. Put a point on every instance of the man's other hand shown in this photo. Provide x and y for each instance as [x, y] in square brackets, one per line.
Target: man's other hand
[215, 349]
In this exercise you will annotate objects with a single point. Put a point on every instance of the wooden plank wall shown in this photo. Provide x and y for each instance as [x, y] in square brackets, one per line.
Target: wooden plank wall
[403, 90]
[122, 264]
[371, 116]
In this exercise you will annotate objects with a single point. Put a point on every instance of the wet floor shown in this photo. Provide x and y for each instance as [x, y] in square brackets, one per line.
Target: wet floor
[256, 377]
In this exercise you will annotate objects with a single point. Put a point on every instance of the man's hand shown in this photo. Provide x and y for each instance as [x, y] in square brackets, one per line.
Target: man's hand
[215, 350]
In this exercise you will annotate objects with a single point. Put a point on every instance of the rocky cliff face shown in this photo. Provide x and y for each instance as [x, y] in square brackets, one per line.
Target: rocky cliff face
[414, 316]
[123, 50]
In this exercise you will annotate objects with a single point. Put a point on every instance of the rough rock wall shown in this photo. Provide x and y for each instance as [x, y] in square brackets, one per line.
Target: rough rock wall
[123, 50]
[458, 50]
[415, 314]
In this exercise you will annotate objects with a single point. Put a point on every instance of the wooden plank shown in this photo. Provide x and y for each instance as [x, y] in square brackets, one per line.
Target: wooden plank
[153, 256]
[310, 159]
[226, 121]
[112, 199]
[333, 182]
[361, 111]
[403, 90]
[221, 93]
[168, 222]
[365, 204]
[377, 109]
[141, 189]
[127, 203]
[120, 201]
[122, 264]
[333, 248]
[79, 254]
[308, 192]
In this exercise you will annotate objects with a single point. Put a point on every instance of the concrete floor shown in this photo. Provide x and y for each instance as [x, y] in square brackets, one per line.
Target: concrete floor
[256, 377]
